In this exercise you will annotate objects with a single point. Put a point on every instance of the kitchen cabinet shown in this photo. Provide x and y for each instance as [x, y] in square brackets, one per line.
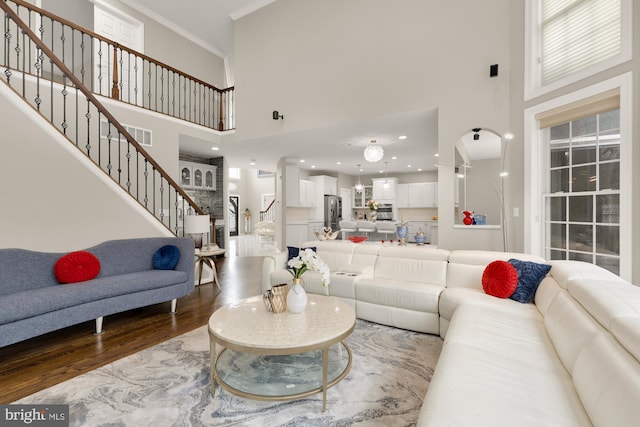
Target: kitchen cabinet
[325, 185]
[384, 189]
[417, 195]
[197, 176]
[307, 193]
[300, 193]
[360, 197]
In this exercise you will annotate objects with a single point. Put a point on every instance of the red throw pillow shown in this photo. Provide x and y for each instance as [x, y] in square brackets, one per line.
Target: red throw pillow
[500, 279]
[76, 267]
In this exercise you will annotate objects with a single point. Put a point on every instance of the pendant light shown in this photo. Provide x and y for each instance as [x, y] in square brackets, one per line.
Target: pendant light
[386, 175]
[359, 187]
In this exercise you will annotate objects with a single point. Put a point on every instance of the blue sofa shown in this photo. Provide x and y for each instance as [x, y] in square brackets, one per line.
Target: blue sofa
[32, 302]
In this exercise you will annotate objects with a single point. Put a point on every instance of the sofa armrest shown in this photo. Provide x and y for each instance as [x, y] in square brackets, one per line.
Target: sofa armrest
[271, 263]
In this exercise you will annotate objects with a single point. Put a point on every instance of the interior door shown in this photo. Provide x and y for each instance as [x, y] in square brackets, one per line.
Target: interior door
[127, 32]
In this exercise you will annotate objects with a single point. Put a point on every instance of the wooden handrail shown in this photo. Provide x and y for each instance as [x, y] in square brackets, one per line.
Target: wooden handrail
[116, 45]
[91, 97]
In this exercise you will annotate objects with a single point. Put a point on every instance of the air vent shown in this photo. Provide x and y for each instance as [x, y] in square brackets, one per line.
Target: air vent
[142, 136]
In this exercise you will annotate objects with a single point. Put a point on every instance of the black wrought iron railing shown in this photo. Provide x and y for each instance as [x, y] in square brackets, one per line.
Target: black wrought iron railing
[36, 73]
[116, 71]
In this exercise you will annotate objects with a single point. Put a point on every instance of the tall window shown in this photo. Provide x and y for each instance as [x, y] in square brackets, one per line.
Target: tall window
[577, 34]
[571, 39]
[582, 220]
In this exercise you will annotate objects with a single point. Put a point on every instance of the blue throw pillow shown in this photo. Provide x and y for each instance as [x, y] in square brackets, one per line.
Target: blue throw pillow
[166, 258]
[294, 251]
[530, 274]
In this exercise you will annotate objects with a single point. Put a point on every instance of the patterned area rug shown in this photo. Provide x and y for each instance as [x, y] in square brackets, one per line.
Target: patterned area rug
[168, 385]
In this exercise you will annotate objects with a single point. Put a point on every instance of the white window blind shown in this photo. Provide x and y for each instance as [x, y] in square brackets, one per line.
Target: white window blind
[577, 34]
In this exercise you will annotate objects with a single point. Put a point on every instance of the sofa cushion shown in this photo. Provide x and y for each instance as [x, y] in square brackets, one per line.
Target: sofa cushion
[399, 294]
[530, 274]
[22, 305]
[75, 267]
[412, 264]
[499, 279]
[499, 368]
[465, 267]
[166, 258]
[334, 253]
[452, 298]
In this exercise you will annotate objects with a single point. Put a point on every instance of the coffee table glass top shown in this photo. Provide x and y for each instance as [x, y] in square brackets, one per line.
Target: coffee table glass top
[247, 324]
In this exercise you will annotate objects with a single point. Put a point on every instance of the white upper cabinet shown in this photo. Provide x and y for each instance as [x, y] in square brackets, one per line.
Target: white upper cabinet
[417, 195]
[325, 185]
[384, 193]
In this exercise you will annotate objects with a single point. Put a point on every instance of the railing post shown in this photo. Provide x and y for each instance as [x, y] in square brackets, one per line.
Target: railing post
[221, 122]
[115, 91]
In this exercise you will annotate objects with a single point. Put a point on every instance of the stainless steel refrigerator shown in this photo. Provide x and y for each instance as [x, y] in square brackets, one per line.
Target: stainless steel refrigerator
[332, 211]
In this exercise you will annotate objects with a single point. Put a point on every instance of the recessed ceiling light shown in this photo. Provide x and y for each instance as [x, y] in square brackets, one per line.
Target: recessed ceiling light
[409, 166]
[402, 137]
[252, 162]
[419, 169]
[436, 155]
[338, 163]
[508, 135]
[394, 158]
[301, 160]
[313, 166]
[215, 148]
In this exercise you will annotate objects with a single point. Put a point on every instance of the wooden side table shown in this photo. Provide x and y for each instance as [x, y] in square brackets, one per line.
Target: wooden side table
[207, 255]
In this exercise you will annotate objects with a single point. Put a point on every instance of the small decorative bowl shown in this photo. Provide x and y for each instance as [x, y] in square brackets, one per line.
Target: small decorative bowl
[420, 240]
[357, 239]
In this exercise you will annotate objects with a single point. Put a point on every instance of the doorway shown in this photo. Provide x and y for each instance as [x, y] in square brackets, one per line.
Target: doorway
[127, 32]
[234, 202]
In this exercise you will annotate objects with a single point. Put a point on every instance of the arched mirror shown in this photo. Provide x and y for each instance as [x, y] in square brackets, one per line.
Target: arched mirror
[478, 167]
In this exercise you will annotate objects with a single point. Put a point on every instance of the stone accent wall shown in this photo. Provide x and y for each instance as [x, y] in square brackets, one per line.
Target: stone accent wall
[211, 202]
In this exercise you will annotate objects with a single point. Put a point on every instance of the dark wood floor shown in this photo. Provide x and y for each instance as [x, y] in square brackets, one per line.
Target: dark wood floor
[44, 361]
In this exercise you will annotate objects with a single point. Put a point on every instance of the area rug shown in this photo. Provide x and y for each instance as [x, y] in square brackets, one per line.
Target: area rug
[168, 385]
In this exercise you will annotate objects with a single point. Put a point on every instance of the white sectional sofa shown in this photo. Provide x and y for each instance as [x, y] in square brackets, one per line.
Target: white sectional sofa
[571, 358]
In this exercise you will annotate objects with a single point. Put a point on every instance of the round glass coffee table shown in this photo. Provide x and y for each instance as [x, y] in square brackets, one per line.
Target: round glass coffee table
[284, 356]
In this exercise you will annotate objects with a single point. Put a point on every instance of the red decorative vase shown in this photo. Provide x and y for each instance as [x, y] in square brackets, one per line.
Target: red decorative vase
[467, 220]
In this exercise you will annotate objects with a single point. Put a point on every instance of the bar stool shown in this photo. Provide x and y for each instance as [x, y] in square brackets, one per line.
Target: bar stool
[366, 227]
[385, 228]
[347, 227]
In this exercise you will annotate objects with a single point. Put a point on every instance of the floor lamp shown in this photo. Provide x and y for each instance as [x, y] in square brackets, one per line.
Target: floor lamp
[197, 226]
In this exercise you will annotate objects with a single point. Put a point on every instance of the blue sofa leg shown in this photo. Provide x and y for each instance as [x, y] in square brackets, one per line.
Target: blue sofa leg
[174, 303]
[99, 330]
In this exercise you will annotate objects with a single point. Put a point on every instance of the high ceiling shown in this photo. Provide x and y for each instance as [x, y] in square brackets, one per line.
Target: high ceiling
[212, 27]
[322, 149]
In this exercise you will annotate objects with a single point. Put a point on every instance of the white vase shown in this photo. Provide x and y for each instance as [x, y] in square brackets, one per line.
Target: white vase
[296, 297]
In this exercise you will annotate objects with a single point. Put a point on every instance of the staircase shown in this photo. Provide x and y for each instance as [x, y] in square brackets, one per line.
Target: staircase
[50, 63]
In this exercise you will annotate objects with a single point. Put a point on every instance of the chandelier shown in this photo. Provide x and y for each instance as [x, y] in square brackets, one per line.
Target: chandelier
[373, 152]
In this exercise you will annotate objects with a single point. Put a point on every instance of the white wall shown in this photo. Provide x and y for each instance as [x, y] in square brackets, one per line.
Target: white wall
[51, 201]
[161, 43]
[371, 58]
